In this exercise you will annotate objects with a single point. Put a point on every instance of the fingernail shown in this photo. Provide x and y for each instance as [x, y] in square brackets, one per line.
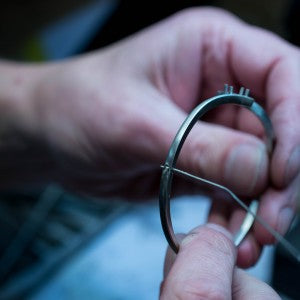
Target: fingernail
[285, 218]
[246, 165]
[293, 165]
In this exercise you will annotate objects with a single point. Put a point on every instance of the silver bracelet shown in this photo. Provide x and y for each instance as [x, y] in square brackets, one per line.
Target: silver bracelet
[225, 97]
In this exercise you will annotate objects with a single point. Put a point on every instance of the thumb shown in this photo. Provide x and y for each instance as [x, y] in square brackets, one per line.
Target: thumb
[236, 159]
[204, 266]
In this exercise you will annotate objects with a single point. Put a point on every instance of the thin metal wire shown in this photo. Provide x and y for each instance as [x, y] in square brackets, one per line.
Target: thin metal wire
[285, 243]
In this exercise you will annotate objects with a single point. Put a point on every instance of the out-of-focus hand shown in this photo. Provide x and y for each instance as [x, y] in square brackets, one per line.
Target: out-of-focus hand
[205, 269]
[109, 117]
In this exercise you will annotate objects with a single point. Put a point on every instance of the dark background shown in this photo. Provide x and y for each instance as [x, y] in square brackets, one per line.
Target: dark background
[19, 22]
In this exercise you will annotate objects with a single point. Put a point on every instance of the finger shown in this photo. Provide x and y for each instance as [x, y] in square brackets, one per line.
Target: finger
[229, 216]
[203, 267]
[248, 122]
[238, 118]
[249, 252]
[277, 208]
[273, 74]
[232, 158]
[220, 212]
[247, 287]
[285, 109]
[244, 55]
[221, 208]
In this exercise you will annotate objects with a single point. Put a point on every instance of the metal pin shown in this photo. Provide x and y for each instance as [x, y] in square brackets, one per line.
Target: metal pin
[284, 242]
[225, 88]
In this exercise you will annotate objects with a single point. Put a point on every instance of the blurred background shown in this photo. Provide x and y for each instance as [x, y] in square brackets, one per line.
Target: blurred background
[57, 245]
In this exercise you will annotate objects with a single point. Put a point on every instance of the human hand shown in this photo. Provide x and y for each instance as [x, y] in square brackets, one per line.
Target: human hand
[109, 116]
[205, 269]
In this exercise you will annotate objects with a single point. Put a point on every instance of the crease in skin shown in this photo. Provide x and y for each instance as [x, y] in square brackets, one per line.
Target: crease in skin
[284, 242]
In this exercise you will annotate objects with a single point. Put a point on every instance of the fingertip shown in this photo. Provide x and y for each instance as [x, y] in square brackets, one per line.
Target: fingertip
[277, 166]
[262, 235]
[204, 265]
[277, 209]
[248, 252]
[285, 165]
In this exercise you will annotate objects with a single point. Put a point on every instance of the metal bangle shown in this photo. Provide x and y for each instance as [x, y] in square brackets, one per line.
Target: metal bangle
[225, 97]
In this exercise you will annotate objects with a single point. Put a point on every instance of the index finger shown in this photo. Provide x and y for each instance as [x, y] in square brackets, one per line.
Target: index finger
[269, 66]
[204, 266]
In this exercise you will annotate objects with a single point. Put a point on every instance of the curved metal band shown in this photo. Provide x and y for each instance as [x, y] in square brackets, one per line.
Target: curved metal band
[187, 125]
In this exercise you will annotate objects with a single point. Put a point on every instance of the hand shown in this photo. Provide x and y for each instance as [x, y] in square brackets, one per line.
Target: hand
[109, 117]
[205, 269]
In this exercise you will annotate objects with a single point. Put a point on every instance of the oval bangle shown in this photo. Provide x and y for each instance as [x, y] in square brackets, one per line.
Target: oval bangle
[225, 97]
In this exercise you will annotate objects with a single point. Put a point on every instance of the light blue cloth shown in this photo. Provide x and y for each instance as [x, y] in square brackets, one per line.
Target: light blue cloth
[126, 261]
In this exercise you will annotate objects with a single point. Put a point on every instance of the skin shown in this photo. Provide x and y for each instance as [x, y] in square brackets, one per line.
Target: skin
[205, 269]
[102, 123]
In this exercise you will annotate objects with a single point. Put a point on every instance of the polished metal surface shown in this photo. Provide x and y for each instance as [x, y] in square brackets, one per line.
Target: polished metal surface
[225, 97]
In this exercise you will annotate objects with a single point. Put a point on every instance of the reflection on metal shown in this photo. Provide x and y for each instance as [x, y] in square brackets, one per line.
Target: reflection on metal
[39, 232]
[247, 223]
[224, 97]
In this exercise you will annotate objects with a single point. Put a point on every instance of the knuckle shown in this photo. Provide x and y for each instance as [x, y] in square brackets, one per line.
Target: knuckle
[132, 126]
